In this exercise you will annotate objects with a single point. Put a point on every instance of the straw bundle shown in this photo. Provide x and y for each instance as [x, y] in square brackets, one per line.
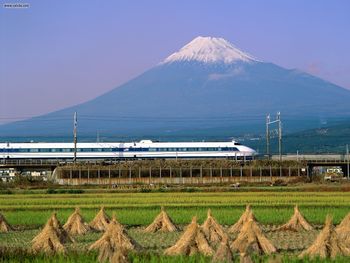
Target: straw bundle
[223, 253]
[212, 229]
[251, 239]
[50, 240]
[296, 223]
[191, 242]
[327, 243]
[162, 223]
[75, 224]
[343, 229]
[245, 258]
[61, 233]
[113, 242]
[4, 226]
[101, 221]
[248, 214]
[121, 256]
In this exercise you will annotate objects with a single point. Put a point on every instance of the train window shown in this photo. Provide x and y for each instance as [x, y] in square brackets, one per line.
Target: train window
[66, 150]
[20, 150]
[106, 149]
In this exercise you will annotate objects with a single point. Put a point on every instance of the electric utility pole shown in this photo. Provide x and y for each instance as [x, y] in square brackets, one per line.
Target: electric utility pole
[268, 136]
[348, 161]
[279, 131]
[75, 124]
[279, 135]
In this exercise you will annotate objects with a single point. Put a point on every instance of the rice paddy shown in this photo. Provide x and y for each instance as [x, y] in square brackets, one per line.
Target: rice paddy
[27, 214]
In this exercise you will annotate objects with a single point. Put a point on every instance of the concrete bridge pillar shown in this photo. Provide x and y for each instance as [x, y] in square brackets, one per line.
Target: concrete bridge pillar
[345, 169]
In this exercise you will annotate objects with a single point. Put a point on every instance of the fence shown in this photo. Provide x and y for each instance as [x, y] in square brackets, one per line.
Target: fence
[179, 175]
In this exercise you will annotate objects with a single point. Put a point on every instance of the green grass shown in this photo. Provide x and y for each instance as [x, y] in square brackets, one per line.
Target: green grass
[32, 210]
[90, 257]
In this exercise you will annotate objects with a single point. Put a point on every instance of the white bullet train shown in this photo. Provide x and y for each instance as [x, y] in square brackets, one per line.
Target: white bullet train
[119, 150]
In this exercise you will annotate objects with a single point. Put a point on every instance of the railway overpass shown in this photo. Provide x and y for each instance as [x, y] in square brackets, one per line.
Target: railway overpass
[316, 160]
[306, 164]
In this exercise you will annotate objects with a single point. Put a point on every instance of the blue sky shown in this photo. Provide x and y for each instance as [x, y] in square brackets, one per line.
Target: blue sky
[59, 53]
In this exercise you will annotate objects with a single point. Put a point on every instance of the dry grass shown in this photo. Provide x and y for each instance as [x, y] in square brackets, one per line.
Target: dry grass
[76, 225]
[343, 229]
[212, 229]
[245, 258]
[121, 256]
[223, 253]
[248, 214]
[162, 223]
[101, 221]
[51, 239]
[327, 244]
[191, 242]
[4, 226]
[114, 243]
[252, 240]
[296, 223]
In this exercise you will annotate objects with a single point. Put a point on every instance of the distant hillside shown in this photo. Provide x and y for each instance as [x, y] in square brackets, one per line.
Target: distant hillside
[330, 139]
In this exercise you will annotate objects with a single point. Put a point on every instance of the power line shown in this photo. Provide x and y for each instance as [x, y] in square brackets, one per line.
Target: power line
[279, 132]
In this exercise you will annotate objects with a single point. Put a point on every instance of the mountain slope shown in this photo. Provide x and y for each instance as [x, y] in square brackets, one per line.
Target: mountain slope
[207, 85]
[328, 139]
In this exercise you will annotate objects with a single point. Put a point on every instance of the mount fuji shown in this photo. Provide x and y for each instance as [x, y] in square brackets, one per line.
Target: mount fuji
[208, 87]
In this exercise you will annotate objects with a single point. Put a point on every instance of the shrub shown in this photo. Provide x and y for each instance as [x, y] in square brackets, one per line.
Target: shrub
[51, 191]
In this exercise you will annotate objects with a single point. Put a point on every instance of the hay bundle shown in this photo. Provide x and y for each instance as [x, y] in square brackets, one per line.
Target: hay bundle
[75, 224]
[327, 243]
[101, 221]
[162, 223]
[4, 226]
[251, 239]
[114, 243]
[343, 229]
[223, 253]
[191, 242]
[296, 223]
[50, 240]
[121, 256]
[245, 258]
[61, 233]
[212, 229]
[247, 215]
[64, 236]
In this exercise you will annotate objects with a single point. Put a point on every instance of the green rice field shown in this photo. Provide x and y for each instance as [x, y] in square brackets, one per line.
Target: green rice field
[29, 212]
[32, 210]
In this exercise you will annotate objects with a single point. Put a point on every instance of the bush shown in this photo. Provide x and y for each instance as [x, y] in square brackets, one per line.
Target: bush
[51, 191]
[145, 190]
[162, 189]
[6, 192]
[189, 190]
[64, 191]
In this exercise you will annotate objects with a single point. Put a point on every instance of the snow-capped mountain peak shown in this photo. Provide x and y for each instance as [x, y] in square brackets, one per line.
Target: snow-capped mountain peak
[210, 50]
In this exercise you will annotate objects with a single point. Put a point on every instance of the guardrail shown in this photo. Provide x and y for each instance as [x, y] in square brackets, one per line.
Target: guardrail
[313, 157]
[30, 162]
[310, 158]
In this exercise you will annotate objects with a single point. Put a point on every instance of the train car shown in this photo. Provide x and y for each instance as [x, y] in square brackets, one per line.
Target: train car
[120, 150]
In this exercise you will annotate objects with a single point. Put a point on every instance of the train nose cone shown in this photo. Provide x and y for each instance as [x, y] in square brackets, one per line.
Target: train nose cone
[250, 150]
